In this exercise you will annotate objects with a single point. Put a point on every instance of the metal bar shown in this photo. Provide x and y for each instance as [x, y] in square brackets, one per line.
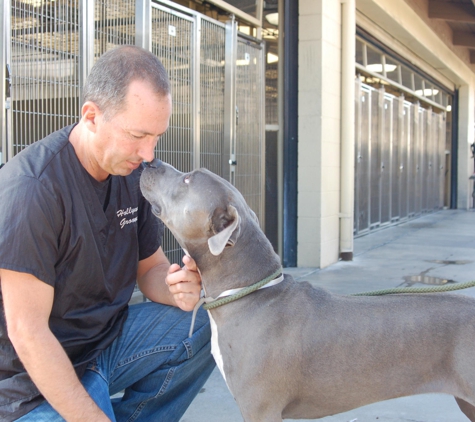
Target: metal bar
[86, 40]
[401, 167]
[416, 158]
[389, 156]
[259, 14]
[262, 134]
[143, 24]
[196, 95]
[3, 80]
[371, 155]
[411, 166]
[382, 156]
[5, 92]
[375, 114]
[406, 159]
[358, 155]
[454, 151]
[229, 97]
[442, 160]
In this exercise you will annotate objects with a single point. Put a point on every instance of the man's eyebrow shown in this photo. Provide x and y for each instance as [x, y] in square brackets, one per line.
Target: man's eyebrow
[143, 132]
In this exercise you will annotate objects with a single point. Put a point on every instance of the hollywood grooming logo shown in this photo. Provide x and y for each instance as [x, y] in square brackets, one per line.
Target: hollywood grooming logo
[128, 212]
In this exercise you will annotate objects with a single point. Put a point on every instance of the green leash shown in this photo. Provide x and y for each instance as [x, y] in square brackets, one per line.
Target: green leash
[243, 292]
[435, 289]
[214, 303]
[235, 294]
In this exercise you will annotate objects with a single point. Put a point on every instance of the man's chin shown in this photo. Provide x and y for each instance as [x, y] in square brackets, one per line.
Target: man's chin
[133, 165]
[124, 170]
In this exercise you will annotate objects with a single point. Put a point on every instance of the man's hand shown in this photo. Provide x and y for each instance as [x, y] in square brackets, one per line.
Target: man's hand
[169, 284]
[184, 284]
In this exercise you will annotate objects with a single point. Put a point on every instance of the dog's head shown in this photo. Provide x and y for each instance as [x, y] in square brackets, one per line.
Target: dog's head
[200, 208]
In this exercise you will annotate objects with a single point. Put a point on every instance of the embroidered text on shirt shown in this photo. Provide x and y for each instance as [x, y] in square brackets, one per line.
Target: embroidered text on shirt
[124, 212]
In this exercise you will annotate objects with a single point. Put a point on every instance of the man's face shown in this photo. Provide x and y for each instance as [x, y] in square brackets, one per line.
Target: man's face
[120, 144]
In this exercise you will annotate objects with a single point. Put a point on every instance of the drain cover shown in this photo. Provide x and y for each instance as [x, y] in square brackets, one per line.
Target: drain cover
[425, 279]
[444, 262]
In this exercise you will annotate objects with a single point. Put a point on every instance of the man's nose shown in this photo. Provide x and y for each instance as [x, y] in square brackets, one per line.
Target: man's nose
[146, 148]
[147, 156]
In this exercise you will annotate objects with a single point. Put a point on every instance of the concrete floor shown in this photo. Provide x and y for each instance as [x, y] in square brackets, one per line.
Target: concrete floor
[384, 259]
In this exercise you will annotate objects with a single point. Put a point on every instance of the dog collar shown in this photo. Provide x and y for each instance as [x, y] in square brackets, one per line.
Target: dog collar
[231, 295]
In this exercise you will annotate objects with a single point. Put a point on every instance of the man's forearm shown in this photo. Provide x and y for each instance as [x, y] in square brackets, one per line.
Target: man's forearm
[152, 284]
[52, 372]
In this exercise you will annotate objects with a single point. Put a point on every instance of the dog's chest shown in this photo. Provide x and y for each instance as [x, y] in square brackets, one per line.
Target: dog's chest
[215, 350]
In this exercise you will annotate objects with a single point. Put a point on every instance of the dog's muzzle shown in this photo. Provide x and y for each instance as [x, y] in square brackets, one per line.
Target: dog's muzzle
[155, 163]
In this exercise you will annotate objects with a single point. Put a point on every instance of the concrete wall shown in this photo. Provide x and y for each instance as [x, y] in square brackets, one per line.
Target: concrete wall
[319, 132]
[466, 137]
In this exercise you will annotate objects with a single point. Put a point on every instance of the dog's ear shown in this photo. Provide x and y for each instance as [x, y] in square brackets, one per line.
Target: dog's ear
[225, 225]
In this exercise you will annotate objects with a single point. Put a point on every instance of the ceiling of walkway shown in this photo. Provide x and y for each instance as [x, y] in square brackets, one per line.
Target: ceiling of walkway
[460, 16]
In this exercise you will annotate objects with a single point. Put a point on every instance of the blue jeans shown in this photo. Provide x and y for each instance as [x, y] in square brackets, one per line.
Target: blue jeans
[159, 368]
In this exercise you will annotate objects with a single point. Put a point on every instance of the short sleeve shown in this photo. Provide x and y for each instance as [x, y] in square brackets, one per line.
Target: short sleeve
[30, 225]
[150, 230]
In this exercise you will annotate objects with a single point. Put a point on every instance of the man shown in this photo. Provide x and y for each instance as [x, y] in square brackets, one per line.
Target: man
[75, 236]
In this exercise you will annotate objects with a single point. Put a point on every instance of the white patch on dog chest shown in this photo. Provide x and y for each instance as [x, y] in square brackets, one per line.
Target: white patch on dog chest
[218, 357]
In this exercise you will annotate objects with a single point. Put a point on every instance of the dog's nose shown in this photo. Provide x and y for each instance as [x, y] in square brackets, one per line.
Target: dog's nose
[155, 163]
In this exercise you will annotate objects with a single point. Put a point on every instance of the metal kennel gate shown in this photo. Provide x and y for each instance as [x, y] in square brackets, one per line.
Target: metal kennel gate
[399, 160]
[218, 85]
[217, 77]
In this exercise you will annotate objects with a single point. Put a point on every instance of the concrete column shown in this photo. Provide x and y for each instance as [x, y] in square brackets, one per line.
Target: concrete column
[319, 132]
[465, 138]
[347, 176]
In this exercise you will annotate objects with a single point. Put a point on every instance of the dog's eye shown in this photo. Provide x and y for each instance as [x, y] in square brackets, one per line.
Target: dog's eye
[187, 179]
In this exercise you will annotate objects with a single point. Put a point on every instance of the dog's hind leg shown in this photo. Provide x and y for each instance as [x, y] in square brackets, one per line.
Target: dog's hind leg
[467, 408]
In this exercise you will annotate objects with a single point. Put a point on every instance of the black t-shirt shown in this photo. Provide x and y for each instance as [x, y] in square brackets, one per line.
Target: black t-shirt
[53, 226]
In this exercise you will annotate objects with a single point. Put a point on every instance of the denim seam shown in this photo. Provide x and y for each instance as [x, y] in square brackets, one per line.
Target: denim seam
[164, 386]
[141, 355]
[146, 353]
[189, 348]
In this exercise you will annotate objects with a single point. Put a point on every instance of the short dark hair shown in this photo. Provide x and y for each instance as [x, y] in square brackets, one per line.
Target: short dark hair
[111, 75]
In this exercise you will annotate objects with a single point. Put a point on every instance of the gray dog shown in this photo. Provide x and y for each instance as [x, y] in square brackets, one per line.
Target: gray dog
[288, 350]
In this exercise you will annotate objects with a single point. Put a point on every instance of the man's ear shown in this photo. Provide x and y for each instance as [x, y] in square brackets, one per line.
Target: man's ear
[89, 114]
[226, 226]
